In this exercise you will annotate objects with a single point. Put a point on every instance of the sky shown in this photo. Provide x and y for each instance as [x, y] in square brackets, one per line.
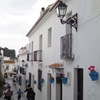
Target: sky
[16, 19]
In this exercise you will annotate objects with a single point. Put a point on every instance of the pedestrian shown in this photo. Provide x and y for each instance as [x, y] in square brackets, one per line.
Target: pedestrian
[30, 93]
[19, 92]
[9, 93]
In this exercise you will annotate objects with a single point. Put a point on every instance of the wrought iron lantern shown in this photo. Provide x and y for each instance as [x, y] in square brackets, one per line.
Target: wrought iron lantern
[61, 12]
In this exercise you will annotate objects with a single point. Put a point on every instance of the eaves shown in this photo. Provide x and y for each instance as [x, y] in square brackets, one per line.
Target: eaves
[41, 19]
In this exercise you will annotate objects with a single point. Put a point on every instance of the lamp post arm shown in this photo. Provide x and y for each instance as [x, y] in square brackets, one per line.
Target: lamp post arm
[72, 21]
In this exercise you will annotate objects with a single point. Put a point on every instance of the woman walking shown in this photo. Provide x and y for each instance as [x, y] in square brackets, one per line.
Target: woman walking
[30, 93]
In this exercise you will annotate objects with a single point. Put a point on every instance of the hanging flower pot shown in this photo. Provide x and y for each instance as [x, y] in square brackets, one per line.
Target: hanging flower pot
[94, 76]
[64, 80]
[34, 82]
[51, 80]
[42, 80]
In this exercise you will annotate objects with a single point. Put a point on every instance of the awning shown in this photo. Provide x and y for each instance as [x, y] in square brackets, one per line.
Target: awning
[10, 72]
[56, 65]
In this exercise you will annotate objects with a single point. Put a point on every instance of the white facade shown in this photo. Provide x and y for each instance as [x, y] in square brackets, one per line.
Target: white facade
[21, 66]
[85, 47]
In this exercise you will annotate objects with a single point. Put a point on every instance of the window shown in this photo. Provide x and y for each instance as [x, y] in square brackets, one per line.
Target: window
[28, 57]
[66, 47]
[39, 79]
[35, 55]
[49, 36]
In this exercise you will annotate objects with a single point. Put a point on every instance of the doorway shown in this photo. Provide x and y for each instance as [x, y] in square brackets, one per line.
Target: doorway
[78, 84]
[48, 87]
[58, 86]
[30, 78]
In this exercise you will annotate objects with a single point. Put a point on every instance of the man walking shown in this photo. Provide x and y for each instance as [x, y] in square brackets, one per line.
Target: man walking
[19, 94]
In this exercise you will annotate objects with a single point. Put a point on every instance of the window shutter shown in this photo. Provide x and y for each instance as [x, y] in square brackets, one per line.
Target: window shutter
[66, 47]
[63, 51]
[35, 55]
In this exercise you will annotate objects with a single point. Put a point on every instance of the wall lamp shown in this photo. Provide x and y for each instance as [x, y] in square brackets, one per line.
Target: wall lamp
[61, 12]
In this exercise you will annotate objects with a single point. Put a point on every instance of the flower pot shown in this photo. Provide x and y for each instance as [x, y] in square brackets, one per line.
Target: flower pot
[94, 76]
[64, 80]
[51, 81]
[34, 82]
[42, 81]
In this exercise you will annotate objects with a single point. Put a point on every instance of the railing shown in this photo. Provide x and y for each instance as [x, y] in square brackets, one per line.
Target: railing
[30, 57]
[38, 55]
[66, 47]
[23, 71]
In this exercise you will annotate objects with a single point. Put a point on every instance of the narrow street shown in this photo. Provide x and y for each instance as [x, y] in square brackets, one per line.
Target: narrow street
[15, 88]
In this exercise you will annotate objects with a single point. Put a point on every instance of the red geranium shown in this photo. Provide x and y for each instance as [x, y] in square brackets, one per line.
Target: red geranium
[92, 68]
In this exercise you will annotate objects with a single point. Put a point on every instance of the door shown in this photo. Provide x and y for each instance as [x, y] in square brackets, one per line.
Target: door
[80, 84]
[30, 78]
[20, 80]
[33, 82]
[48, 87]
[58, 86]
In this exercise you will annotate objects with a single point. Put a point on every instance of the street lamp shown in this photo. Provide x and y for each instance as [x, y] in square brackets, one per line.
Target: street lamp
[61, 12]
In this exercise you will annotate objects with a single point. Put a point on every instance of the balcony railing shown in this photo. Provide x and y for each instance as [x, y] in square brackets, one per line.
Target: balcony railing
[30, 57]
[66, 47]
[38, 55]
[23, 71]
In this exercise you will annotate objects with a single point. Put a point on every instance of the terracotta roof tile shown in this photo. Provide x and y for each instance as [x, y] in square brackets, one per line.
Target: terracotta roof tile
[9, 61]
[56, 65]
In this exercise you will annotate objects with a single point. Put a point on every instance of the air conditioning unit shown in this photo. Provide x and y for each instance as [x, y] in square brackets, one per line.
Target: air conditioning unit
[66, 47]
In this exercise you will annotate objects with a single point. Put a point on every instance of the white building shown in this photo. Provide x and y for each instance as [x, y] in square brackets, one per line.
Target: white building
[46, 58]
[22, 67]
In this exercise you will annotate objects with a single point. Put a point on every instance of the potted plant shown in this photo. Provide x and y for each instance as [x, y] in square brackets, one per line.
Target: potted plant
[42, 80]
[34, 81]
[64, 79]
[93, 74]
[51, 80]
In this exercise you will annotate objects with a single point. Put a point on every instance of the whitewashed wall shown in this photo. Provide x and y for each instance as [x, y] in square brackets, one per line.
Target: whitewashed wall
[50, 54]
[85, 47]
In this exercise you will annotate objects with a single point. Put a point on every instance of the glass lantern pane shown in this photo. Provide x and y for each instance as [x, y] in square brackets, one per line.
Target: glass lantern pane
[61, 11]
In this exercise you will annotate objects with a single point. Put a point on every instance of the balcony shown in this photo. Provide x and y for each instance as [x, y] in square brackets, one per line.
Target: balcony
[30, 57]
[66, 47]
[23, 71]
[38, 56]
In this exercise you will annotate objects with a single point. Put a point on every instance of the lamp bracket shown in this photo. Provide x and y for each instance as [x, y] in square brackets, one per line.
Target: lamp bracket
[72, 21]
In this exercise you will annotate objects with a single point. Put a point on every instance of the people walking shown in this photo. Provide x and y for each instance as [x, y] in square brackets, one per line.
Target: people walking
[19, 92]
[30, 93]
[9, 93]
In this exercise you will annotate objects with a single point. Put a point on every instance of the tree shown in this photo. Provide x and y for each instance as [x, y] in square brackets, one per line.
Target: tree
[9, 52]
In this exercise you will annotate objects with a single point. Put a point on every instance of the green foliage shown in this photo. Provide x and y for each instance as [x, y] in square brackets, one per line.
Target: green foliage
[9, 52]
[51, 78]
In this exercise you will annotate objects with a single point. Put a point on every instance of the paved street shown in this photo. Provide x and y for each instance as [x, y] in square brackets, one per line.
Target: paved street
[14, 97]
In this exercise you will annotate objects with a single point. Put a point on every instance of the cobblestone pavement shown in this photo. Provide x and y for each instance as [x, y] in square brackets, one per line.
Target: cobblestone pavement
[15, 88]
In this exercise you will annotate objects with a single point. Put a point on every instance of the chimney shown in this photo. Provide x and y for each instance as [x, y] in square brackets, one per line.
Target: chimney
[42, 11]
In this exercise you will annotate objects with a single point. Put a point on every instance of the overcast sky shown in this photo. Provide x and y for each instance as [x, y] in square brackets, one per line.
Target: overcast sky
[16, 19]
